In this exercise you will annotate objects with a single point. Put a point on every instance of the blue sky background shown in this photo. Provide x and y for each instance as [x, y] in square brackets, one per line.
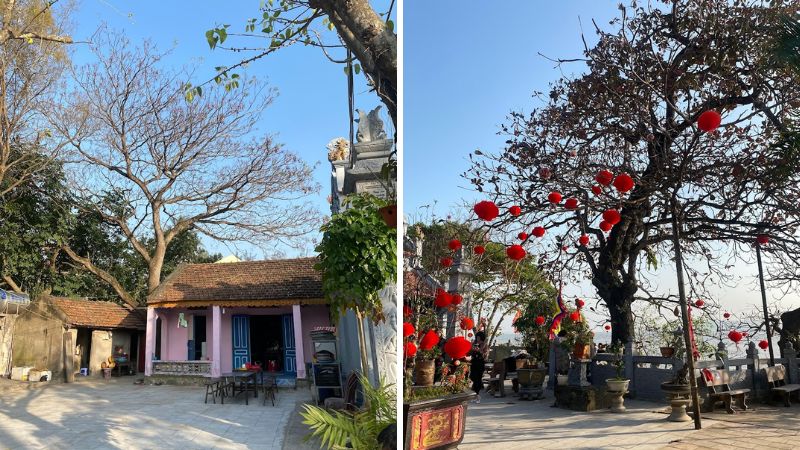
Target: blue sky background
[311, 108]
[466, 66]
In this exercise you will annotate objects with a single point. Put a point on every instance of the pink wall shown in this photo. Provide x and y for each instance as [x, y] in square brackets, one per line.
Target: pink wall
[313, 316]
[227, 333]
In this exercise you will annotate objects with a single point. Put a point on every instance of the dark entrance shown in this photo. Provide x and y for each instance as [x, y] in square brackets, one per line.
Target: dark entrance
[266, 341]
[157, 351]
[199, 337]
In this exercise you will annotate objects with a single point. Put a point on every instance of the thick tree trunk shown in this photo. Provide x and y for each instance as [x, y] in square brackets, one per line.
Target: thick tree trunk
[103, 275]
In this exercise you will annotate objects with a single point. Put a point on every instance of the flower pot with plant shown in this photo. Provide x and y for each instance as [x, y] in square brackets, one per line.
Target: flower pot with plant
[618, 386]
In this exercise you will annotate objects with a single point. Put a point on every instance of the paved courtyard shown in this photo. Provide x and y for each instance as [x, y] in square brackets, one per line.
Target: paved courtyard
[95, 414]
[510, 423]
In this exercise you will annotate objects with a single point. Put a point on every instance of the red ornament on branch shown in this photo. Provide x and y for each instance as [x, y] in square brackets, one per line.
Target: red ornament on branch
[407, 311]
[699, 303]
[735, 336]
[579, 303]
[408, 329]
[709, 120]
[727, 315]
[456, 299]
[479, 249]
[515, 210]
[605, 226]
[584, 240]
[762, 239]
[443, 298]
[612, 216]
[604, 177]
[467, 323]
[540, 320]
[457, 347]
[486, 210]
[623, 182]
[607, 327]
[538, 231]
[571, 203]
[763, 344]
[454, 244]
[545, 173]
[575, 316]
[429, 341]
[446, 262]
[554, 197]
[515, 252]
[410, 349]
[522, 236]
[597, 190]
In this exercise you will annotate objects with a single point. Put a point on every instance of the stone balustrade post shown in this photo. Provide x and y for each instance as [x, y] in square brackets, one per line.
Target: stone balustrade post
[791, 363]
[630, 367]
[754, 367]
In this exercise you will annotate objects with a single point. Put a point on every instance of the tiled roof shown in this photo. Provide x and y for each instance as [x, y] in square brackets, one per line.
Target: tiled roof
[279, 280]
[95, 314]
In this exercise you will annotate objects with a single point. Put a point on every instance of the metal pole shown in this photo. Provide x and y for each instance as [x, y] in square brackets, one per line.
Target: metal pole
[764, 302]
[685, 314]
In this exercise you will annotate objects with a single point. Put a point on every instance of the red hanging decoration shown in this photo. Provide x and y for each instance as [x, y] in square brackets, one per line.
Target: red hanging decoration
[538, 231]
[515, 252]
[709, 120]
[699, 303]
[597, 190]
[515, 210]
[763, 344]
[623, 182]
[454, 244]
[467, 323]
[735, 336]
[579, 303]
[469, 334]
[607, 327]
[727, 315]
[457, 347]
[479, 249]
[410, 349]
[429, 341]
[486, 210]
[571, 203]
[407, 311]
[446, 262]
[612, 216]
[575, 316]
[540, 320]
[762, 239]
[604, 177]
[408, 329]
[744, 334]
[522, 236]
[456, 299]
[554, 197]
[443, 298]
[605, 226]
[584, 240]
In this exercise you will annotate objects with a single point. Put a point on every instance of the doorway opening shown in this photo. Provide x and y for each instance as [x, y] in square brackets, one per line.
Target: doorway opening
[266, 341]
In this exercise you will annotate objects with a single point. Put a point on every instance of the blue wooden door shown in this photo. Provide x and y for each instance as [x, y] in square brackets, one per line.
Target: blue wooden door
[241, 340]
[289, 352]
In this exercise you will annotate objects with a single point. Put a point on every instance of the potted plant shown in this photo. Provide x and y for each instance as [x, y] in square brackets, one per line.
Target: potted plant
[619, 383]
[673, 342]
[576, 337]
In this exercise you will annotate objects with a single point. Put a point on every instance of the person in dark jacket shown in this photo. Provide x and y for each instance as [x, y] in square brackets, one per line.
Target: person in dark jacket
[479, 353]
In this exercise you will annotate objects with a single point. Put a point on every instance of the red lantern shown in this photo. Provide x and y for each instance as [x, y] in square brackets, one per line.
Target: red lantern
[575, 316]
[571, 203]
[744, 334]
[709, 120]
[486, 210]
[443, 299]
[515, 210]
[597, 190]
[605, 226]
[623, 182]
[607, 327]
[580, 303]
[469, 334]
[456, 299]
[604, 177]
[467, 323]
[454, 244]
[735, 336]
[429, 341]
[515, 252]
[763, 344]
[410, 349]
[699, 303]
[762, 239]
[407, 311]
[612, 216]
[446, 262]
[540, 320]
[522, 236]
[584, 240]
[457, 347]
[408, 329]
[727, 315]
[554, 197]
[479, 249]
[538, 231]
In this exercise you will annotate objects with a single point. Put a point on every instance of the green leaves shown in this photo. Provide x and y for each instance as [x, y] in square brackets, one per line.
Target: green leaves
[217, 36]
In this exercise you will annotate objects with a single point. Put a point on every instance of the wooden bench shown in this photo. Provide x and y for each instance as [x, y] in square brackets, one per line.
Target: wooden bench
[496, 381]
[215, 388]
[718, 384]
[776, 378]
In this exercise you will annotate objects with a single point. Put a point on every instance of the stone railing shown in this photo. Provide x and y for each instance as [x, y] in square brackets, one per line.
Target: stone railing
[185, 368]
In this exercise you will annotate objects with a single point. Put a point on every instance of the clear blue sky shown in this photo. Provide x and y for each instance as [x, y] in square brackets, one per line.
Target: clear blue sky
[311, 108]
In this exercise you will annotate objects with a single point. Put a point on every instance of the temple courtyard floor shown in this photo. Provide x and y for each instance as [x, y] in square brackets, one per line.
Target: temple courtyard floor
[510, 423]
[98, 414]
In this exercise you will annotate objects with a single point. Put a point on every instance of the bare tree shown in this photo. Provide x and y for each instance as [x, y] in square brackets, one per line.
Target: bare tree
[155, 165]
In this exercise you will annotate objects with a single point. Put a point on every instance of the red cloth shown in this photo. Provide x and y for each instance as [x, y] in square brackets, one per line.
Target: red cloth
[707, 374]
[695, 352]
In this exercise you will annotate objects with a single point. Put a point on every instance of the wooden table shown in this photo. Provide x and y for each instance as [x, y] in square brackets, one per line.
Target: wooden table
[240, 383]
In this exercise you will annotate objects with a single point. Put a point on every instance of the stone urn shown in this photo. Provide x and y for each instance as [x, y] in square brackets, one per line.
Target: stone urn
[616, 392]
[678, 395]
[424, 372]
